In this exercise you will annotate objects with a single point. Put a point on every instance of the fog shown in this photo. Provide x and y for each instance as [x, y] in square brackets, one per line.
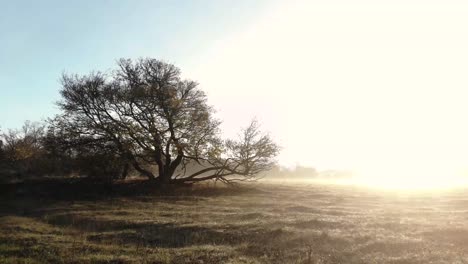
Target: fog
[375, 87]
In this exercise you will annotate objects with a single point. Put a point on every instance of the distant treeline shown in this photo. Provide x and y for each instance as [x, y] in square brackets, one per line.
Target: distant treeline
[305, 172]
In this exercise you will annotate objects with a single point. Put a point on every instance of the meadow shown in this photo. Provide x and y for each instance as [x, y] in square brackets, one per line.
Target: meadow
[132, 222]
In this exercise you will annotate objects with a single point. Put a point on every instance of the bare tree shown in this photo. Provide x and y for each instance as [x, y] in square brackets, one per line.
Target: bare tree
[22, 148]
[24, 143]
[147, 115]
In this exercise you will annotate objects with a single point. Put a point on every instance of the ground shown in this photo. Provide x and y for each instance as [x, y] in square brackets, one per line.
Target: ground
[261, 223]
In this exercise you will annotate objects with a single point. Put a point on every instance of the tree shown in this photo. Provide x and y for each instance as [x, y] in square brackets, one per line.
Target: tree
[22, 149]
[148, 116]
[24, 143]
[72, 153]
[2, 152]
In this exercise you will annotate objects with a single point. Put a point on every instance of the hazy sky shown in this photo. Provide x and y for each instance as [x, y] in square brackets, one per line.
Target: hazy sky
[364, 85]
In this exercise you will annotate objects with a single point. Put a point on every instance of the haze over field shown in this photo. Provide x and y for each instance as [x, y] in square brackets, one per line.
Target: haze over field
[236, 132]
[375, 87]
[369, 86]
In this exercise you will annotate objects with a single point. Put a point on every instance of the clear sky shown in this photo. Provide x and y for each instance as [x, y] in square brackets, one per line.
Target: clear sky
[39, 40]
[378, 87]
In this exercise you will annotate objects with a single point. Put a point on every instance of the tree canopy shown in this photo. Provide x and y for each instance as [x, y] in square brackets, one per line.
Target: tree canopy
[147, 116]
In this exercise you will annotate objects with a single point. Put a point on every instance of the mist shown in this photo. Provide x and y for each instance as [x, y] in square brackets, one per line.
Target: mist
[372, 87]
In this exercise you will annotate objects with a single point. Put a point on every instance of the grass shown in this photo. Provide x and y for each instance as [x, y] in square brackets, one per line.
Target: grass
[268, 223]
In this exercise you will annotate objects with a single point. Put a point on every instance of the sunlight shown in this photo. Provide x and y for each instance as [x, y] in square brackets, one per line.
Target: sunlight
[416, 167]
[267, 131]
[410, 179]
[339, 92]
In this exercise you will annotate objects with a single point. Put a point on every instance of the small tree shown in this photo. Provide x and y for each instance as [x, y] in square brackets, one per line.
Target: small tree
[22, 149]
[147, 115]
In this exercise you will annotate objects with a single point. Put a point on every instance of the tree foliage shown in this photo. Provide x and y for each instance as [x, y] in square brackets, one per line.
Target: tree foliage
[145, 115]
[21, 150]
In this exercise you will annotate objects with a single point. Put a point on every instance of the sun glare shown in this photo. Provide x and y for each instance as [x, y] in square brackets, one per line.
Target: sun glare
[410, 179]
[350, 94]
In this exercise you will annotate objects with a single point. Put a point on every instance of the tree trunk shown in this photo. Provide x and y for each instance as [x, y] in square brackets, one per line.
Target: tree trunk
[165, 178]
[124, 172]
[142, 171]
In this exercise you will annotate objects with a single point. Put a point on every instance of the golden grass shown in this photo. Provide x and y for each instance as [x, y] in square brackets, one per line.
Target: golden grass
[265, 224]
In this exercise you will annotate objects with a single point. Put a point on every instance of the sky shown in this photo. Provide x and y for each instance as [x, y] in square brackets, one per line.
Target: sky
[378, 87]
[40, 40]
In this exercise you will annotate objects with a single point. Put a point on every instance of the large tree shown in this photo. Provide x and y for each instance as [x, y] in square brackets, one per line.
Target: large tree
[146, 114]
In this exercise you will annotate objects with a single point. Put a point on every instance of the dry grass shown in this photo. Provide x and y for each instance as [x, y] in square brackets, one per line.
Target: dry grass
[266, 224]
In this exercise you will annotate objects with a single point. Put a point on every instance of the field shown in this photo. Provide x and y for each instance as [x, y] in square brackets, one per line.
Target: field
[261, 223]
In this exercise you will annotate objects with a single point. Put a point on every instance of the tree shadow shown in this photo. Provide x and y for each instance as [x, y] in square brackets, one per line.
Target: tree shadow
[92, 219]
[156, 234]
[169, 235]
[88, 190]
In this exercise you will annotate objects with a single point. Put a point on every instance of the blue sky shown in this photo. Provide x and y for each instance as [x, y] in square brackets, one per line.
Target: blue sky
[39, 40]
